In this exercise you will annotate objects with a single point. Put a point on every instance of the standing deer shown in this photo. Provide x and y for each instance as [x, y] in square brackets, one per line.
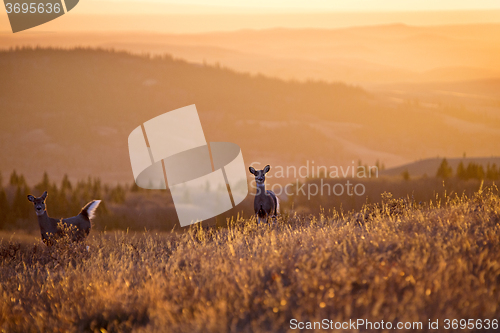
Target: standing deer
[50, 227]
[266, 203]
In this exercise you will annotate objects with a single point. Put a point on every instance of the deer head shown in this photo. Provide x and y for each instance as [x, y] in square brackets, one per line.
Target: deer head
[39, 203]
[260, 175]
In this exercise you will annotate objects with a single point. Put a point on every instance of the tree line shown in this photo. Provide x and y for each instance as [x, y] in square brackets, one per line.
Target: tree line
[472, 171]
[64, 200]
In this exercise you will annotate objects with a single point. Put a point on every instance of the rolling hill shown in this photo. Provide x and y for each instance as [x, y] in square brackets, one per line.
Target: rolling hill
[71, 111]
[357, 55]
[430, 166]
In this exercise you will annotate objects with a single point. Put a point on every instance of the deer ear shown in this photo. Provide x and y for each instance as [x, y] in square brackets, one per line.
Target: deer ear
[267, 168]
[44, 195]
[252, 170]
[31, 198]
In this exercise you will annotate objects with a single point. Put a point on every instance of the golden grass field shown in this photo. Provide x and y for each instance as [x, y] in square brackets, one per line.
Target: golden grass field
[397, 262]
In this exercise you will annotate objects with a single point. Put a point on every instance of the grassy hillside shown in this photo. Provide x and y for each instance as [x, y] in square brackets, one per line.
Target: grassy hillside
[398, 263]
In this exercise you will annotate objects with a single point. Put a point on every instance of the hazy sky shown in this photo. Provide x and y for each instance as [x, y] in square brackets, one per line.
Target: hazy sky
[350, 5]
[192, 16]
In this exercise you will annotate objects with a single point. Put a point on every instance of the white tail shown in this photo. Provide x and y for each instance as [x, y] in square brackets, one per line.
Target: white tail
[90, 208]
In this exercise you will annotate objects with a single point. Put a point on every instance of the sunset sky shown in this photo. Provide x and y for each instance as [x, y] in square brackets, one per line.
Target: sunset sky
[194, 16]
[335, 5]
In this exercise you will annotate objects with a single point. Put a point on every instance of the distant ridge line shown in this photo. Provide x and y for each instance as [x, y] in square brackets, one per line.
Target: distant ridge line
[430, 166]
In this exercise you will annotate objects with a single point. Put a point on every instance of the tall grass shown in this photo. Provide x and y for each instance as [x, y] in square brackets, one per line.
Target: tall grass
[396, 261]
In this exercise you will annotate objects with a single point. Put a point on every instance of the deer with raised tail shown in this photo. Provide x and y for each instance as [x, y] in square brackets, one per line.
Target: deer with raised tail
[50, 227]
[266, 203]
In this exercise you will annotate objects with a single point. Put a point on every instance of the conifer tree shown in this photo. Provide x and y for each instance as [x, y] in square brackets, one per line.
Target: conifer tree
[4, 206]
[444, 170]
[118, 195]
[461, 172]
[44, 185]
[14, 179]
[66, 184]
[492, 172]
[20, 206]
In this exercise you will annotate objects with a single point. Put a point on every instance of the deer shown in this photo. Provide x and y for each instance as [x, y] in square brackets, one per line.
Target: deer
[266, 203]
[51, 228]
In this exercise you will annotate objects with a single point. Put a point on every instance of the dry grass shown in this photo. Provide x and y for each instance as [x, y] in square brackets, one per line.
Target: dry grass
[402, 263]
